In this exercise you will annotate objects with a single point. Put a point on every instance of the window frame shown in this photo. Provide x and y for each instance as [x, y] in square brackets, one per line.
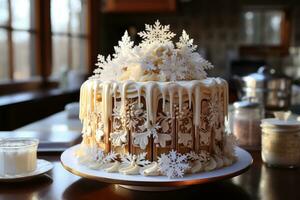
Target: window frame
[285, 32]
[10, 29]
[71, 36]
[43, 47]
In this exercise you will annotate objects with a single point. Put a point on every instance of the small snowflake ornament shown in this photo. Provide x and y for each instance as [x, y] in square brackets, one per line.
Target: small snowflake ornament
[186, 42]
[173, 164]
[118, 138]
[140, 160]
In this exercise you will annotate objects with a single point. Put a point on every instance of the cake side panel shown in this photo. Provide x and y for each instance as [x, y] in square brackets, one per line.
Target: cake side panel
[165, 136]
[140, 137]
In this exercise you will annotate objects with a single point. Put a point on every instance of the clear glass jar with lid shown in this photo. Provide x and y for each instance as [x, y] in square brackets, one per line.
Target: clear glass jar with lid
[246, 119]
[281, 141]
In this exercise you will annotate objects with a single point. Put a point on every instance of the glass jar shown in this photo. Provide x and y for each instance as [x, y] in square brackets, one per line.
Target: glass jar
[246, 119]
[18, 156]
[281, 142]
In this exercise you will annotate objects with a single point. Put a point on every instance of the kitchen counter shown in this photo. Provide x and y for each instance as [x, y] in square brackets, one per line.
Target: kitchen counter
[260, 182]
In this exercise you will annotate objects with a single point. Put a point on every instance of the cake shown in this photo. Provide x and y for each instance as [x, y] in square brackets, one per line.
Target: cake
[150, 109]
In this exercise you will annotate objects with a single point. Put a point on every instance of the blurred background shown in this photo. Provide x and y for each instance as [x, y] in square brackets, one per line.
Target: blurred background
[49, 47]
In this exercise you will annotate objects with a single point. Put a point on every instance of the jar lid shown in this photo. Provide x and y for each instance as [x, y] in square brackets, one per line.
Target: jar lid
[281, 121]
[247, 102]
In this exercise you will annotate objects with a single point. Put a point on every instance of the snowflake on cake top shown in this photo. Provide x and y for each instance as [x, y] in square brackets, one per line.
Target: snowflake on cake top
[157, 58]
[173, 164]
[186, 42]
[156, 33]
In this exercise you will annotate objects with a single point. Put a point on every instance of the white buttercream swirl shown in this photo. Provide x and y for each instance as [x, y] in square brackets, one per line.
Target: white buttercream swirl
[132, 169]
[211, 165]
[219, 161]
[112, 167]
[197, 166]
[150, 170]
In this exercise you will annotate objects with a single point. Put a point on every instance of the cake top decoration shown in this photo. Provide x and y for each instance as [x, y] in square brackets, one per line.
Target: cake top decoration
[156, 58]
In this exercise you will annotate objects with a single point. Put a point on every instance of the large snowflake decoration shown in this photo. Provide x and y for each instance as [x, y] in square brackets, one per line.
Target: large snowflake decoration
[214, 110]
[139, 160]
[173, 164]
[156, 33]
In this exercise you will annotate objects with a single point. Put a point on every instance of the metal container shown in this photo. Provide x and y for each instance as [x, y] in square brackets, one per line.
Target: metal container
[272, 89]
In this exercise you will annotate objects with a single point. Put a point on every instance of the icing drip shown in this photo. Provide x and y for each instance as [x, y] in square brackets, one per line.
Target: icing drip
[180, 90]
[163, 92]
[149, 102]
[106, 105]
[197, 105]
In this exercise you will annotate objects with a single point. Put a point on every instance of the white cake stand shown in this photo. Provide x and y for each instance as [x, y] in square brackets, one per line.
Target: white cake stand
[156, 183]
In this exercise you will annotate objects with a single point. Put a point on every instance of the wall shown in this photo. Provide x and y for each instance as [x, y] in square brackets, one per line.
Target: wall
[214, 25]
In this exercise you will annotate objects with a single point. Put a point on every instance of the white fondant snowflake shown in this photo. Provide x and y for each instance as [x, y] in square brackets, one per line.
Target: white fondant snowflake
[173, 164]
[102, 62]
[140, 159]
[186, 42]
[125, 45]
[156, 33]
[141, 139]
[153, 130]
[118, 138]
[110, 157]
[96, 153]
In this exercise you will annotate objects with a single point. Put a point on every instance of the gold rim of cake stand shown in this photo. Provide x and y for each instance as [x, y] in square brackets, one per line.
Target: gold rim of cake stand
[157, 184]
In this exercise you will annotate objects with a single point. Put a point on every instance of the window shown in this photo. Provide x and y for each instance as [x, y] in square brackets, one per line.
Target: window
[69, 35]
[17, 40]
[262, 27]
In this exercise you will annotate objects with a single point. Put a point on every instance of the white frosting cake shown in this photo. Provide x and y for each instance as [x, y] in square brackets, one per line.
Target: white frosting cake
[150, 109]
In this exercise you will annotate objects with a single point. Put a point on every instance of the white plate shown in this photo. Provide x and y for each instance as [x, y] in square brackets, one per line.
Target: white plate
[138, 182]
[43, 166]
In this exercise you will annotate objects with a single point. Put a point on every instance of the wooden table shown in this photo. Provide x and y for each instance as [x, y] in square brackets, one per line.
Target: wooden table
[260, 182]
